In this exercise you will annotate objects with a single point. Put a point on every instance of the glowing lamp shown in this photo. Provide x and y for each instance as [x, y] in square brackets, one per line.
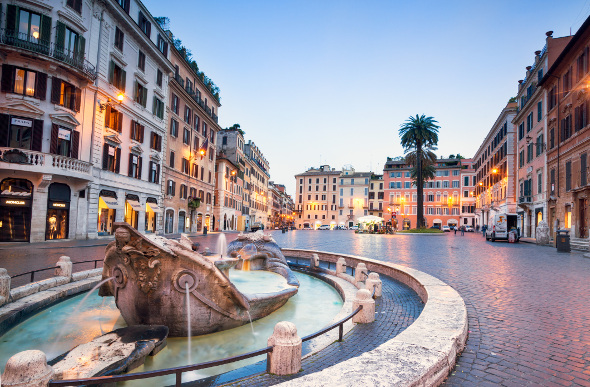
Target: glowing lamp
[36, 34]
[202, 152]
[120, 97]
[494, 170]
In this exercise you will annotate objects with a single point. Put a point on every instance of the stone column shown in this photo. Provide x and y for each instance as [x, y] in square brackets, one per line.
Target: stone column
[27, 368]
[341, 266]
[64, 267]
[367, 314]
[285, 358]
[374, 282]
[4, 287]
[315, 261]
[360, 274]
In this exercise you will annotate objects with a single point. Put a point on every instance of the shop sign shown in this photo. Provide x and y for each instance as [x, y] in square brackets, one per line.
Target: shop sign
[111, 151]
[21, 122]
[16, 202]
[64, 134]
[59, 205]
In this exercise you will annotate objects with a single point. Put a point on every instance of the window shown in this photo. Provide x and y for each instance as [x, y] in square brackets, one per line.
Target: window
[568, 176]
[113, 119]
[162, 45]
[134, 166]
[141, 61]
[25, 82]
[583, 169]
[529, 122]
[186, 136]
[445, 184]
[154, 172]
[465, 181]
[521, 159]
[539, 145]
[456, 172]
[520, 131]
[465, 194]
[566, 128]
[185, 166]
[187, 115]
[73, 43]
[64, 141]
[171, 163]
[124, 4]
[159, 77]
[196, 143]
[158, 108]
[140, 94]
[552, 98]
[65, 94]
[119, 39]
[407, 184]
[144, 24]
[529, 153]
[136, 132]
[156, 142]
[111, 158]
[171, 188]
[76, 5]
[29, 25]
[183, 191]
[117, 76]
[552, 138]
[567, 82]
[540, 182]
[582, 65]
[539, 110]
[581, 116]
[552, 177]
[196, 122]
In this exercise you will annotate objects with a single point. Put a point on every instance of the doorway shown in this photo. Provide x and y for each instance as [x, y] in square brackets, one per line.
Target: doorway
[582, 204]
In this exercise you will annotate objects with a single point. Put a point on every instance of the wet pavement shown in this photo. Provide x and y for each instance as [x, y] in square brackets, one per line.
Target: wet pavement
[528, 305]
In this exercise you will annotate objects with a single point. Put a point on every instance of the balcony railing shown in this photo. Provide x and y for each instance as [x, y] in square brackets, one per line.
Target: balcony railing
[195, 96]
[525, 199]
[49, 163]
[46, 48]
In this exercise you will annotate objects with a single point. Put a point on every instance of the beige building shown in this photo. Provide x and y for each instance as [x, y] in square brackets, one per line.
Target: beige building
[189, 160]
[257, 176]
[230, 144]
[316, 195]
[227, 207]
[353, 196]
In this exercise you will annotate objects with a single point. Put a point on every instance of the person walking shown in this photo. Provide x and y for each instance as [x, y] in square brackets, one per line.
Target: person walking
[455, 228]
[462, 230]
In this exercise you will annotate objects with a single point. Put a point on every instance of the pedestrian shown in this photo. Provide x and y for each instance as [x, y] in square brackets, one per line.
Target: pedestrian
[455, 228]
[483, 230]
[462, 230]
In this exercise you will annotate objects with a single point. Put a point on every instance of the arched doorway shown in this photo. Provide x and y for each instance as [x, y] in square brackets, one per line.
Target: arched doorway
[169, 222]
[16, 197]
[58, 209]
[181, 221]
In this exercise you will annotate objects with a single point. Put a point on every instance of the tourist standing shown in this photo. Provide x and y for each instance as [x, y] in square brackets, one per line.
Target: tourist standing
[462, 230]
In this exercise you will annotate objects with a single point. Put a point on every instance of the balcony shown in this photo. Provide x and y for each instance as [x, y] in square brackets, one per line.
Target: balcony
[38, 162]
[48, 49]
[525, 199]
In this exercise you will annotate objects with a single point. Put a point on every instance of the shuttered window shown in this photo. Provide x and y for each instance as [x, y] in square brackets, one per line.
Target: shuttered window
[23, 81]
[65, 94]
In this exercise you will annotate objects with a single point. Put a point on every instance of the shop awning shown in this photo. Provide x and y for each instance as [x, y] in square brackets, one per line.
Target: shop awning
[154, 208]
[134, 204]
[110, 202]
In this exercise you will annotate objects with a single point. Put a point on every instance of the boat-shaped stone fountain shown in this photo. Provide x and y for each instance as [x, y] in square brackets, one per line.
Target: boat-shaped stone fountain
[152, 276]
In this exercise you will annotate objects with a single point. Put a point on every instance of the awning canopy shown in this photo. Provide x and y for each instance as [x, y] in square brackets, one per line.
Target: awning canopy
[153, 207]
[370, 219]
[134, 204]
[109, 202]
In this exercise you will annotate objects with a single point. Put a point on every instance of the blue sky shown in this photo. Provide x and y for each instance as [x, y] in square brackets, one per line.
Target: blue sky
[331, 81]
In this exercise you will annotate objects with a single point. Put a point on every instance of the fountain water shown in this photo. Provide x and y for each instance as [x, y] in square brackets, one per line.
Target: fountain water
[62, 331]
[247, 252]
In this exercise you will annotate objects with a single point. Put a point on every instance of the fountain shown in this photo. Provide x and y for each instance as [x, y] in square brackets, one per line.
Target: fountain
[152, 276]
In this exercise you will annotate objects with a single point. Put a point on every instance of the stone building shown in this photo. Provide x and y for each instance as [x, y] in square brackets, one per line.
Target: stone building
[316, 197]
[495, 168]
[531, 124]
[376, 195]
[441, 195]
[468, 182]
[353, 196]
[230, 145]
[229, 183]
[568, 140]
[257, 176]
[189, 166]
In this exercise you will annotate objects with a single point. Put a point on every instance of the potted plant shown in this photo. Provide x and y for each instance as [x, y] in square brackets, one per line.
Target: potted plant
[194, 202]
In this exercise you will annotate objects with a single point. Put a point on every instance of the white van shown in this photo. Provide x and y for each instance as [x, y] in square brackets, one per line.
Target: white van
[500, 226]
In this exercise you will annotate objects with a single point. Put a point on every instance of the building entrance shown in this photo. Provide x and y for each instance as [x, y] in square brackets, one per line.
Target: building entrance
[15, 210]
[58, 209]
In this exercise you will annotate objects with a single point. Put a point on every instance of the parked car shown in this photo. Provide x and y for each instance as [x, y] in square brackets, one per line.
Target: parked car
[436, 226]
[256, 226]
[446, 228]
[306, 227]
[469, 229]
[355, 228]
[324, 227]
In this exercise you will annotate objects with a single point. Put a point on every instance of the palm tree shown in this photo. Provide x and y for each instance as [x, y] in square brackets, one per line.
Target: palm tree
[416, 134]
[428, 161]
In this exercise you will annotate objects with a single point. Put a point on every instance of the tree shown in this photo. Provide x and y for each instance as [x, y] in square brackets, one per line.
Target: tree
[418, 133]
[428, 164]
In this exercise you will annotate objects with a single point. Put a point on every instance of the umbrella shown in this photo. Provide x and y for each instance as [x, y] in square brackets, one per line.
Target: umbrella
[369, 219]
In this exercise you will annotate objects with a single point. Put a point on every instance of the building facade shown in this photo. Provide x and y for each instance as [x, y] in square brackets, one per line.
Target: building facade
[376, 195]
[256, 184]
[468, 182]
[228, 194]
[189, 160]
[353, 196]
[316, 197]
[568, 140]
[495, 168]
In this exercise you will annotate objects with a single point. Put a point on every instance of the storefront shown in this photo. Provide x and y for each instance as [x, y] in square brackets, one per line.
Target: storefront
[108, 204]
[181, 221]
[132, 209]
[199, 222]
[58, 212]
[151, 214]
[16, 197]
[169, 222]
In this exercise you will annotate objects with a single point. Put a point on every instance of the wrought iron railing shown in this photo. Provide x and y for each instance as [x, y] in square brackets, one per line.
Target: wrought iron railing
[33, 272]
[44, 47]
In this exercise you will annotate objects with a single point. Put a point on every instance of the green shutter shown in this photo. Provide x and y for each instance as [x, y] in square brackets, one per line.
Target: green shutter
[123, 80]
[144, 97]
[154, 106]
[60, 39]
[81, 47]
[111, 71]
[11, 14]
[45, 31]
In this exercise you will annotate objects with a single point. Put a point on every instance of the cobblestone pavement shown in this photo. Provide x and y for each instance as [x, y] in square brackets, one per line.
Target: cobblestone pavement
[529, 306]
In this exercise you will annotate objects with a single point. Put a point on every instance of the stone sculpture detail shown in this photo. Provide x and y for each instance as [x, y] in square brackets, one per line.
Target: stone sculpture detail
[542, 233]
[151, 276]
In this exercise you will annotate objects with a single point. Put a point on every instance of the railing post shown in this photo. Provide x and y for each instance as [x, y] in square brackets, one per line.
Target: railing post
[4, 287]
[341, 266]
[33, 276]
[64, 267]
[27, 368]
[367, 314]
[340, 331]
[360, 274]
[314, 263]
[178, 378]
[285, 358]
[373, 282]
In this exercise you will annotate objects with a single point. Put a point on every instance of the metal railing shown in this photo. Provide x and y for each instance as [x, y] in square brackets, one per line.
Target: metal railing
[44, 47]
[178, 371]
[32, 272]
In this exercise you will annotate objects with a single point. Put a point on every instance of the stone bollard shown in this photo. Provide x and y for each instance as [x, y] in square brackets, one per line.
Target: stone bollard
[285, 358]
[373, 282]
[367, 314]
[4, 287]
[360, 274]
[315, 261]
[542, 233]
[65, 267]
[27, 368]
[341, 266]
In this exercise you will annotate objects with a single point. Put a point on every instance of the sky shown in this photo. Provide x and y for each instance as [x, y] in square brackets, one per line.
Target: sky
[330, 82]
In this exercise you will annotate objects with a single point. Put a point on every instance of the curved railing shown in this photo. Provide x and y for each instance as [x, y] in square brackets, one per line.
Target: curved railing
[32, 272]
